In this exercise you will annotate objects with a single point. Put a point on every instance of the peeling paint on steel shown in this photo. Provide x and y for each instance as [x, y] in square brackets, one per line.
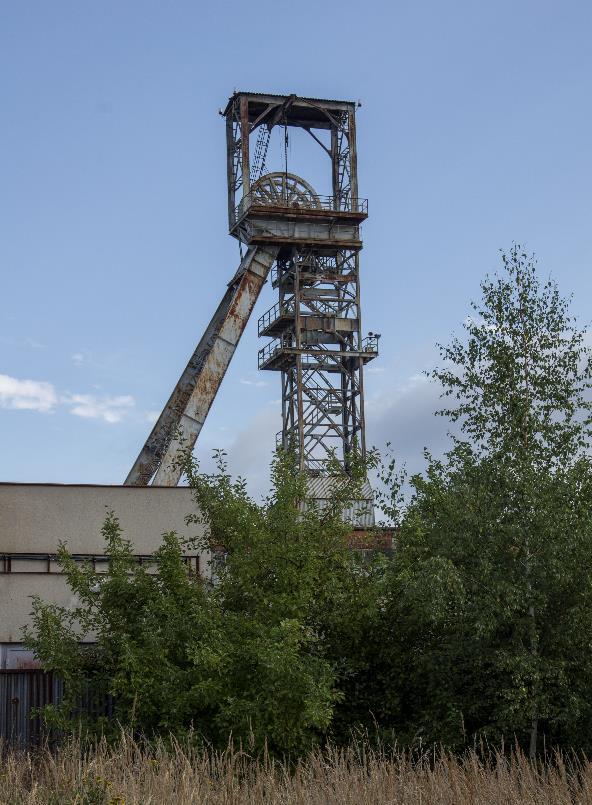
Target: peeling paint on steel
[216, 360]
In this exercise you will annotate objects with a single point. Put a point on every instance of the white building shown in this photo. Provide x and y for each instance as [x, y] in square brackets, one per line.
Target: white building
[35, 518]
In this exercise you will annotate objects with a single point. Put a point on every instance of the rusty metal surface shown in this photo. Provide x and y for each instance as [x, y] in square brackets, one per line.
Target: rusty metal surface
[188, 405]
[151, 454]
[24, 691]
[323, 207]
[20, 692]
[261, 100]
[216, 362]
[316, 240]
[14, 656]
[320, 347]
[278, 98]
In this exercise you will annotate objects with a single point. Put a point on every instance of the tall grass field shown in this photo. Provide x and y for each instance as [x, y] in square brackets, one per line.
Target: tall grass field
[127, 773]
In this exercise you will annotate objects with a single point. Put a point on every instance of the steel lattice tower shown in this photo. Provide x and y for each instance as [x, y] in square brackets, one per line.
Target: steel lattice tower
[320, 352]
[316, 325]
[311, 243]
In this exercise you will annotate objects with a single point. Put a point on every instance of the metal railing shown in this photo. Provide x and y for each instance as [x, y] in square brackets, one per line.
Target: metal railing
[321, 308]
[370, 343]
[326, 203]
[315, 466]
[274, 313]
[315, 354]
[319, 466]
[320, 267]
[269, 350]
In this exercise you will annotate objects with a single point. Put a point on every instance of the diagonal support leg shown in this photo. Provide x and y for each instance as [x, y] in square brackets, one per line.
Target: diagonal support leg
[191, 400]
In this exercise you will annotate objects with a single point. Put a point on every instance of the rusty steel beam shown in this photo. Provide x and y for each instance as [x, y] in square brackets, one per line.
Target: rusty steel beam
[184, 414]
[246, 158]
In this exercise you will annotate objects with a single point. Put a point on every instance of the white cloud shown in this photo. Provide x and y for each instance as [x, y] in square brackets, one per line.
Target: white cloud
[257, 383]
[31, 395]
[401, 413]
[249, 449]
[109, 409]
[26, 343]
[151, 416]
[36, 395]
[404, 415]
[78, 359]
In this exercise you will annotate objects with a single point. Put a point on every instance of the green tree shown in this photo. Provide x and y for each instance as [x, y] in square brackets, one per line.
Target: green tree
[491, 587]
[287, 562]
[255, 656]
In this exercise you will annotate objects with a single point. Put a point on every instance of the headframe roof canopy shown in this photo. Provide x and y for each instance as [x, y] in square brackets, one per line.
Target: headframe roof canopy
[311, 112]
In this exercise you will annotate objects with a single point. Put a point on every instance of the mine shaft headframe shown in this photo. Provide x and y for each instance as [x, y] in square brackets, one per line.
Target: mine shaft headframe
[247, 112]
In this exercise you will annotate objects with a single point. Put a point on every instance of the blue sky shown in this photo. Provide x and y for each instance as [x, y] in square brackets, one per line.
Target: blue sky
[474, 130]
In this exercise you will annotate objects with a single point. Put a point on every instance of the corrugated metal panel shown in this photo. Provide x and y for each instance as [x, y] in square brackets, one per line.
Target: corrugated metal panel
[20, 693]
[323, 486]
[360, 513]
[284, 97]
[298, 97]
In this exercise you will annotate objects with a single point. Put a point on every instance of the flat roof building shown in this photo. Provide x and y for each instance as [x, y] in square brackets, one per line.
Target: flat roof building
[36, 518]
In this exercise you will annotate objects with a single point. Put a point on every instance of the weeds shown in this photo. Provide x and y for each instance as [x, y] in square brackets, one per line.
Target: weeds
[128, 773]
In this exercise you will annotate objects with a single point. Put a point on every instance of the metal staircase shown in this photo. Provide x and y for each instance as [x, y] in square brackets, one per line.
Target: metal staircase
[318, 347]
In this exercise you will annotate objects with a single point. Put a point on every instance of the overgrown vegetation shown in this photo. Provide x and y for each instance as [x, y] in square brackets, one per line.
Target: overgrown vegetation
[129, 774]
[478, 627]
[491, 587]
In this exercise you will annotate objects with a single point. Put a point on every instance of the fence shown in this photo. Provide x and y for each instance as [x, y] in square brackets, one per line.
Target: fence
[22, 691]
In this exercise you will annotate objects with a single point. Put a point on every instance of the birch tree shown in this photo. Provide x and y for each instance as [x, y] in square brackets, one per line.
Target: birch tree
[492, 575]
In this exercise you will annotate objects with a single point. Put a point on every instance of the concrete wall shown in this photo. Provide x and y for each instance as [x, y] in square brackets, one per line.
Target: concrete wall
[35, 518]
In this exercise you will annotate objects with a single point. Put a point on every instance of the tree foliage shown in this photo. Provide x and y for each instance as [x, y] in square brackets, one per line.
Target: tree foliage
[480, 625]
[255, 656]
[491, 583]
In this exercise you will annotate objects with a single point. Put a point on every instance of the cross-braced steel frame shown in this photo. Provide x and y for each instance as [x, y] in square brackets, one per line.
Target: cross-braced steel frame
[320, 351]
[315, 326]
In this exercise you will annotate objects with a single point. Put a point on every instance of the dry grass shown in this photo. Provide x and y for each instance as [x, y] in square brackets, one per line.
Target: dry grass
[127, 774]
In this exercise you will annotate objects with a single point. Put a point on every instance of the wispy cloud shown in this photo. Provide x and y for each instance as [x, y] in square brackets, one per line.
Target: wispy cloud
[151, 416]
[89, 406]
[30, 395]
[41, 396]
[78, 358]
[256, 383]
